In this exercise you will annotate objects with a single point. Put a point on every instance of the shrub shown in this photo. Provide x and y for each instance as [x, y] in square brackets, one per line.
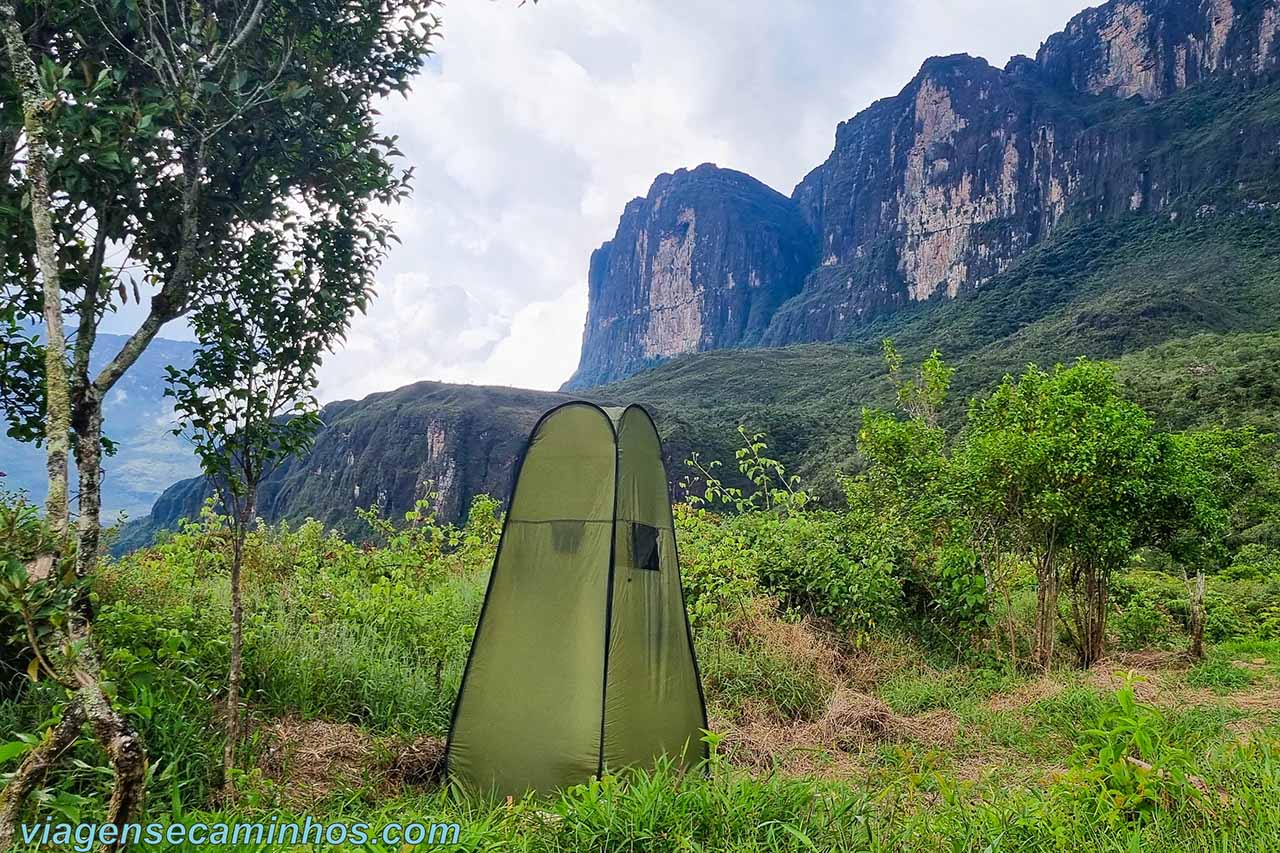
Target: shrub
[1142, 623]
[717, 564]
[1254, 561]
[1123, 766]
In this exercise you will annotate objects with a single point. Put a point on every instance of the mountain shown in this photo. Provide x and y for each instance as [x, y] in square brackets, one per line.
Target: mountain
[1117, 196]
[1144, 107]
[138, 418]
[1189, 308]
[688, 269]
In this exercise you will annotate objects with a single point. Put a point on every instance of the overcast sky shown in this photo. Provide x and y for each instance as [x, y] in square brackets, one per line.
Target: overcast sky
[534, 125]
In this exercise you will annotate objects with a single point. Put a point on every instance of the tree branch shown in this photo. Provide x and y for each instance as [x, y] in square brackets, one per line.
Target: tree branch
[245, 31]
[34, 642]
[171, 301]
[87, 331]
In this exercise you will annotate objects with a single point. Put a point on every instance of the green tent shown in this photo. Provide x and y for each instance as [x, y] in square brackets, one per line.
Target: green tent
[582, 659]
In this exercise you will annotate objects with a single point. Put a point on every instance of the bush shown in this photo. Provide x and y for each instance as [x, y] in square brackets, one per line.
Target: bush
[1143, 623]
[1254, 561]
[808, 560]
[1123, 766]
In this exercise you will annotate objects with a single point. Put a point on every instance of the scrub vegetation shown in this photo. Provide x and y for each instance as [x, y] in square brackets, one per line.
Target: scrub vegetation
[884, 672]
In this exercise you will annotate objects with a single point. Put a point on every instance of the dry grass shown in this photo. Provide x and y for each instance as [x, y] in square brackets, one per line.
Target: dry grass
[1258, 702]
[417, 762]
[311, 760]
[834, 746]
[1028, 693]
[812, 644]
[878, 660]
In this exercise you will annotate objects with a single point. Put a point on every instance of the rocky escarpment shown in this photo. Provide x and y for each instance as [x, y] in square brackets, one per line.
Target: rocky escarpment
[1154, 48]
[1136, 107]
[446, 442]
[1105, 289]
[702, 262]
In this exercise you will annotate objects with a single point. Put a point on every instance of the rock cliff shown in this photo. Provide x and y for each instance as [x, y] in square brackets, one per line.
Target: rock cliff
[701, 262]
[930, 193]
[387, 451]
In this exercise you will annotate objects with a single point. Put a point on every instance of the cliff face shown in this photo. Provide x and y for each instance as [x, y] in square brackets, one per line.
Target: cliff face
[387, 451]
[930, 193]
[702, 262]
[1154, 48]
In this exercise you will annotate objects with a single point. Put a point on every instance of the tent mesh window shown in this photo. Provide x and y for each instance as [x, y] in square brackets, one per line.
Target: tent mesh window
[644, 546]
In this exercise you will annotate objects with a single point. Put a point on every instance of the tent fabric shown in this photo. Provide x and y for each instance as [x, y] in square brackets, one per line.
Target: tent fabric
[582, 660]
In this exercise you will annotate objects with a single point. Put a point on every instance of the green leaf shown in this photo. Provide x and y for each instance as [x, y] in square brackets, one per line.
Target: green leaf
[11, 750]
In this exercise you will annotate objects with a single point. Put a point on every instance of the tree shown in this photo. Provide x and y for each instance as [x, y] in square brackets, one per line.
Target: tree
[246, 402]
[904, 492]
[1067, 463]
[142, 146]
[1207, 489]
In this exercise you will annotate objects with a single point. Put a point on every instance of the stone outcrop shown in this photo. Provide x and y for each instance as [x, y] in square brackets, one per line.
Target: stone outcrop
[928, 194]
[701, 262]
[448, 443]
[1154, 48]
[949, 189]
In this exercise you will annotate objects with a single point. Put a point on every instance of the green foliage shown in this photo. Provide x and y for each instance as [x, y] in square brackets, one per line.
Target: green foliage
[810, 558]
[195, 139]
[1142, 623]
[773, 489]
[1254, 561]
[1219, 674]
[717, 563]
[1124, 767]
[1064, 458]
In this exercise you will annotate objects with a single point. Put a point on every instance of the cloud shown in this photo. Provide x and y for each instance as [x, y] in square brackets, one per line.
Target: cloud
[534, 126]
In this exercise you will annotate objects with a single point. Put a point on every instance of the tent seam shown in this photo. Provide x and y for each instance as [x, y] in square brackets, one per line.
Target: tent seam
[608, 609]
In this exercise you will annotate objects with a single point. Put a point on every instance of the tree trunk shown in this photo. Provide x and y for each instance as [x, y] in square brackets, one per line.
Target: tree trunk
[1094, 613]
[112, 730]
[1046, 611]
[1195, 588]
[244, 519]
[124, 751]
[57, 395]
[88, 423]
[35, 767]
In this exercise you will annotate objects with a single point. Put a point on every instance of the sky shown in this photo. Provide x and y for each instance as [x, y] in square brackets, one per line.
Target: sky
[534, 124]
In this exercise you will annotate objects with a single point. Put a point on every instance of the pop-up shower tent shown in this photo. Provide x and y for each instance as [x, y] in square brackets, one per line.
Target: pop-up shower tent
[582, 659]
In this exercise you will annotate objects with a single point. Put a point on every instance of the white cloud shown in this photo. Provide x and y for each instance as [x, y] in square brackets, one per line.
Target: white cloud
[536, 124]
